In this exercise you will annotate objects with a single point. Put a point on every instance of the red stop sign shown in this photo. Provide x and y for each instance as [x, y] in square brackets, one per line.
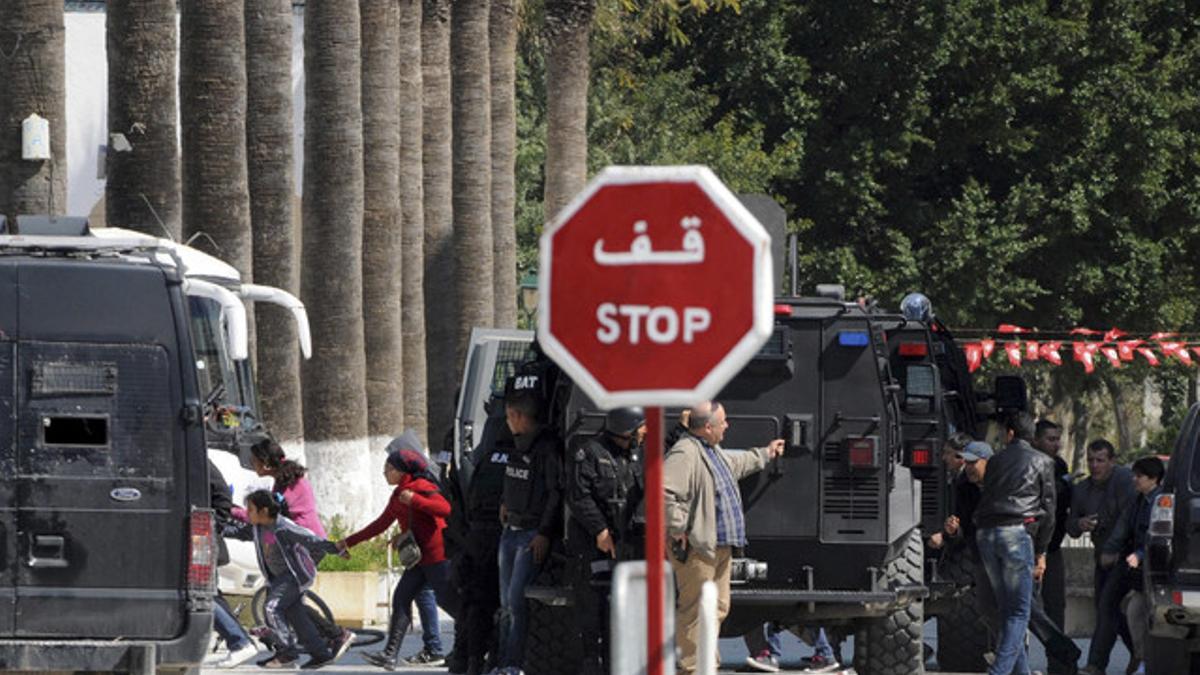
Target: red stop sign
[656, 286]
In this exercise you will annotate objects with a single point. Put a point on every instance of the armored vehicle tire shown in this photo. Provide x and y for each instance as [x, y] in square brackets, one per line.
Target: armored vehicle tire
[961, 634]
[552, 640]
[892, 644]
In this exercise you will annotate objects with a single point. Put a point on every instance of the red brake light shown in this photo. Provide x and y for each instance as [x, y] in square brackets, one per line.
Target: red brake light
[914, 349]
[203, 556]
[783, 310]
[922, 455]
[1177, 597]
[861, 452]
[1162, 515]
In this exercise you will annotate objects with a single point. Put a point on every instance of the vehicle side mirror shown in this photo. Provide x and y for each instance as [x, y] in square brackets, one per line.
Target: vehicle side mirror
[1010, 393]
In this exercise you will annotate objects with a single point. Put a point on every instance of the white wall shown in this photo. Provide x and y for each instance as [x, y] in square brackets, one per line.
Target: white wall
[87, 105]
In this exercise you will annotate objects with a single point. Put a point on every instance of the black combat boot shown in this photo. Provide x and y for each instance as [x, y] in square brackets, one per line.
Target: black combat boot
[390, 656]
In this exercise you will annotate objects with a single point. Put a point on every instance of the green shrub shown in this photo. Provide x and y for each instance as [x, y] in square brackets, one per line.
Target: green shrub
[369, 556]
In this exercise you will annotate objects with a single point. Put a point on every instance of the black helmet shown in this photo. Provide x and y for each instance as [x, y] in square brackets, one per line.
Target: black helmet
[624, 421]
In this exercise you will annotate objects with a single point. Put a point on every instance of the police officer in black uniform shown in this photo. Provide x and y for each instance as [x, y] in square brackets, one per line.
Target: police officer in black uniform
[479, 568]
[604, 496]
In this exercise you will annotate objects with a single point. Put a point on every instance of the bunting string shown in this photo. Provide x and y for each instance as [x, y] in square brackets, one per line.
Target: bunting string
[1088, 347]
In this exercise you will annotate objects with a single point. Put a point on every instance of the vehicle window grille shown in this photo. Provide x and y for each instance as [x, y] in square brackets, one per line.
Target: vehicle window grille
[74, 379]
[854, 497]
[777, 345]
[509, 356]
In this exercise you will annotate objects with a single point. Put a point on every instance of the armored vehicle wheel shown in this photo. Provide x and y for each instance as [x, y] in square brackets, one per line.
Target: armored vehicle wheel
[962, 636]
[552, 640]
[891, 645]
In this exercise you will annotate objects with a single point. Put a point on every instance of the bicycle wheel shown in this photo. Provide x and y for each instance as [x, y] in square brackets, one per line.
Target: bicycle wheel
[259, 602]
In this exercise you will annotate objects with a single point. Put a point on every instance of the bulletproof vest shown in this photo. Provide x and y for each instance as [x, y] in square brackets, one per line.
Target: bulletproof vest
[525, 488]
[487, 485]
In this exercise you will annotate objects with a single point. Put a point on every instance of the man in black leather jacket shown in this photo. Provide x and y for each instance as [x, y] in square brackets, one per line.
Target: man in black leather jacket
[1015, 520]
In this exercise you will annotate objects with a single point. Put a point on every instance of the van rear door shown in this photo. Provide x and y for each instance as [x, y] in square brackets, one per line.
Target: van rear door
[101, 494]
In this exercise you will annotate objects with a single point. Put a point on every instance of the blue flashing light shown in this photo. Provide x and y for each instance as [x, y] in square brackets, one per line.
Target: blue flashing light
[854, 338]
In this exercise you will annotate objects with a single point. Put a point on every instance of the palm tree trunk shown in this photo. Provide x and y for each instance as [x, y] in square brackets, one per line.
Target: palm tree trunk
[142, 188]
[32, 68]
[382, 252]
[412, 301]
[270, 159]
[502, 40]
[472, 174]
[212, 99]
[568, 36]
[441, 306]
[335, 399]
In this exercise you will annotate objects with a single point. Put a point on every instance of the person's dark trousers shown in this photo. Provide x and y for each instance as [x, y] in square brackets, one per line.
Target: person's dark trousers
[437, 576]
[480, 572]
[985, 602]
[288, 619]
[1117, 583]
[1061, 651]
[591, 613]
[1054, 588]
[1007, 555]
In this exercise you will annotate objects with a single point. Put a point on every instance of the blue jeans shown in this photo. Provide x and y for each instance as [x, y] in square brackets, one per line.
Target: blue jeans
[766, 639]
[1007, 555]
[517, 569]
[227, 626]
[427, 609]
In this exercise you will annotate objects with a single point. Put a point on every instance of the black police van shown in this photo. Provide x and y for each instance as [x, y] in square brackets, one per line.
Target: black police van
[1172, 570]
[108, 551]
[865, 400]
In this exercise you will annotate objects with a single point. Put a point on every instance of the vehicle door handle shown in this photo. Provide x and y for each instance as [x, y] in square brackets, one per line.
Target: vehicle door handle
[47, 550]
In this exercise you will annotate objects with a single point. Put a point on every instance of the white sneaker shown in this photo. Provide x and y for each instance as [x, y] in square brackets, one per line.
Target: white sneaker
[238, 657]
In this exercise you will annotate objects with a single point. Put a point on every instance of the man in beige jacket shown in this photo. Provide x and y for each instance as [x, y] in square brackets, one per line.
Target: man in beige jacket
[705, 520]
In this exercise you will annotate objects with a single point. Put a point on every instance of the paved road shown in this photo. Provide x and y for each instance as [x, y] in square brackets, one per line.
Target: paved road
[733, 654]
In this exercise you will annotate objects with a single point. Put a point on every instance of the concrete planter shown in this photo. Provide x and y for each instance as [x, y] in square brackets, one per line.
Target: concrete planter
[357, 599]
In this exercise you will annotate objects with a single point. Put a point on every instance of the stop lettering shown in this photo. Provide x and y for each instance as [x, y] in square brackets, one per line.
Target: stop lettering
[659, 324]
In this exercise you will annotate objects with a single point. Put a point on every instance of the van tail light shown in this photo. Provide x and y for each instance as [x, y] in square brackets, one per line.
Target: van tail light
[914, 349]
[862, 453]
[1162, 515]
[1177, 598]
[202, 563]
[783, 310]
[920, 454]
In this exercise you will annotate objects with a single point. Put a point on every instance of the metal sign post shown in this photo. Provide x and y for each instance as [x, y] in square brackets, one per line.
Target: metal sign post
[656, 535]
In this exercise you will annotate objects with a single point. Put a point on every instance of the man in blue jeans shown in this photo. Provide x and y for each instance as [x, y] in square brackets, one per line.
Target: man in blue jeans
[531, 513]
[1015, 520]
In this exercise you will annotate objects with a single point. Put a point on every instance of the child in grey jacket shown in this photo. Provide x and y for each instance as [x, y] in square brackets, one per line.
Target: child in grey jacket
[290, 566]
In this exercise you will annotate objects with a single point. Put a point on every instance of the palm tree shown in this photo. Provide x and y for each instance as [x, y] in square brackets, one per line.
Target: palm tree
[382, 252]
[212, 100]
[32, 43]
[335, 398]
[441, 306]
[568, 35]
[270, 158]
[502, 41]
[412, 301]
[472, 174]
[142, 189]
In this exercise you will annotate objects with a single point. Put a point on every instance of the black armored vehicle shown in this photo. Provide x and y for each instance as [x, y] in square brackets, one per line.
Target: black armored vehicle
[108, 558]
[1172, 570]
[865, 400]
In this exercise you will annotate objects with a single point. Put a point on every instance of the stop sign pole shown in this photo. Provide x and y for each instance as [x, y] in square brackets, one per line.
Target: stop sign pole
[657, 289]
